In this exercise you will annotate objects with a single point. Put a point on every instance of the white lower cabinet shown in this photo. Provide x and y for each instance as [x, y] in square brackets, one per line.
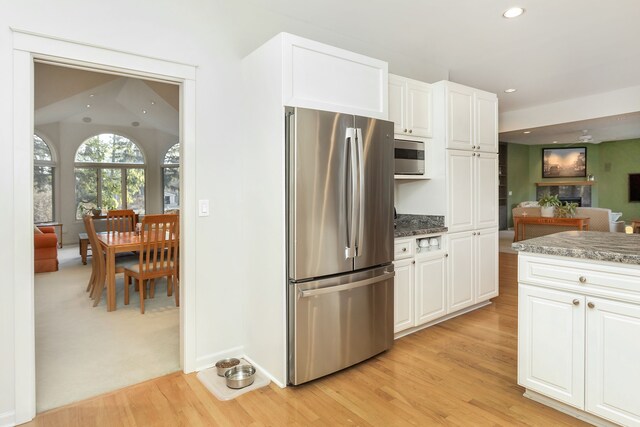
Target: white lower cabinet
[430, 287]
[403, 291]
[613, 360]
[473, 267]
[579, 336]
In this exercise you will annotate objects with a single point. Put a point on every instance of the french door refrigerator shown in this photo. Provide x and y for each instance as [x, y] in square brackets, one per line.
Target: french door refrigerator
[340, 240]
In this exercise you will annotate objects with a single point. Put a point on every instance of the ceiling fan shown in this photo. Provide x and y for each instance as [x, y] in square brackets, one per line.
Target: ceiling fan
[585, 137]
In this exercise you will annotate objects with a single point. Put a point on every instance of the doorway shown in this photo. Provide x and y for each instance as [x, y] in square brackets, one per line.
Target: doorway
[28, 48]
[116, 139]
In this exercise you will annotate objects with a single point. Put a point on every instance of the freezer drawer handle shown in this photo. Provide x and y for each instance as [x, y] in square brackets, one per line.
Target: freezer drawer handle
[346, 287]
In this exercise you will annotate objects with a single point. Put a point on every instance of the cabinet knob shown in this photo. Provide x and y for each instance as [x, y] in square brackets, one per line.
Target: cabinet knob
[582, 279]
[413, 262]
[576, 302]
[446, 255]
[591, 305]
[404, 249]
[478, 147]
[405, 130]
[473, 234]
[473, 147]
[410, 130]
[478, 154]
[478, 233]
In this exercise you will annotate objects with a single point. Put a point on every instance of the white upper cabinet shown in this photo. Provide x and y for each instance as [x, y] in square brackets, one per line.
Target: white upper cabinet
[471, 119]
[316, 75]
[460, 117]
[486, 122]
[410, 107]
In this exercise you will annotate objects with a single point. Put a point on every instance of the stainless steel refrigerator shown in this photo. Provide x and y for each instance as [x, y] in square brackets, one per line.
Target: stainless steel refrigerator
[340, 240]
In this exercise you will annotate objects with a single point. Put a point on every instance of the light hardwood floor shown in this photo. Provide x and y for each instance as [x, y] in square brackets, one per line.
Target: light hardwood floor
[461, 372]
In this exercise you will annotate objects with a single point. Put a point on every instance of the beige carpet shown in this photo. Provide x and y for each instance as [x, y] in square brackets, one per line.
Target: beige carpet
[83, 351]
[506, 239]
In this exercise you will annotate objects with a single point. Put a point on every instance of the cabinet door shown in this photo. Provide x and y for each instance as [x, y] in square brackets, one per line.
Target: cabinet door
[460, 119]
[460, 271]
[398, 104]
[403, 317]
[551, 343]
[486, 122]
[431, 294]
[460, 190]
[486, 190]
[419, 110]
[486, 255]
[613, 361]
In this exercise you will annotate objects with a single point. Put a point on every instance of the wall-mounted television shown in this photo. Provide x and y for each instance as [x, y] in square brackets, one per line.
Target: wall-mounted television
[634, 187]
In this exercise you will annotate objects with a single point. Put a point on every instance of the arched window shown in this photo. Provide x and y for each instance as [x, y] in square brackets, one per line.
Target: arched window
[43, 176]
[171, 178]
[109, 171]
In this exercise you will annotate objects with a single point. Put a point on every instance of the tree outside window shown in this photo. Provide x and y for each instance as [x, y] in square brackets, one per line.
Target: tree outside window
[171, 178]
[109, 174]
[43, 173]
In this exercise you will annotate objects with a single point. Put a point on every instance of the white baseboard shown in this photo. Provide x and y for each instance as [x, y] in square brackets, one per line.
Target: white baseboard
[8, 419]
[205, 362]
[569, 410]
[264, 371]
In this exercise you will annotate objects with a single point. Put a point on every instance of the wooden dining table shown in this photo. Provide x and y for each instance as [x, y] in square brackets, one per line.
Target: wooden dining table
[114, 242]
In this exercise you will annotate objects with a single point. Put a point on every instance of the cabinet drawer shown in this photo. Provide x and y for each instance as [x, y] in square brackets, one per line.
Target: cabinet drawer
[403, 249]
[586, 276]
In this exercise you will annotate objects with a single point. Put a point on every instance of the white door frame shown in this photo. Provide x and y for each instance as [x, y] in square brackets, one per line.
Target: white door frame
[27, 47]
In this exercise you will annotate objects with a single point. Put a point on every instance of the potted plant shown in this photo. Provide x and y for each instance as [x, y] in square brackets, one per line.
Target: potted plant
[548, 203]
[568, 210]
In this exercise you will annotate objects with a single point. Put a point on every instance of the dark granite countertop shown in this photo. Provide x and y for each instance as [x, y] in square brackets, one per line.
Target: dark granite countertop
[596, 245]
[415, 225]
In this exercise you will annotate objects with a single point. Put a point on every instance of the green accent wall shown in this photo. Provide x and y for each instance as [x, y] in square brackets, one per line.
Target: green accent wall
[610, 162]
[618, 160]
[517, 177]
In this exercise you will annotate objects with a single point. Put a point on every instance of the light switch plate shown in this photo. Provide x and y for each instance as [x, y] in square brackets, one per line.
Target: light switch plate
[203, 207]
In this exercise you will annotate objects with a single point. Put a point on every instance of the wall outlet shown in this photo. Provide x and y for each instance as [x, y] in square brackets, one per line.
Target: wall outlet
[511, 193]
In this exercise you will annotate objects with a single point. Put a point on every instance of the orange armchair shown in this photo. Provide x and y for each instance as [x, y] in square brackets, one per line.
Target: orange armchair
[45, 250]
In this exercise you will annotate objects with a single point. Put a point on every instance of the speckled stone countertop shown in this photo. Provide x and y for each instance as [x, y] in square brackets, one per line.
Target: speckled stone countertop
[596, 245]
[415, 225]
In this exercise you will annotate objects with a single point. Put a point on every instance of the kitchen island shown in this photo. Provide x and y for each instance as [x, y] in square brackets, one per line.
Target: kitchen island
[579, 324]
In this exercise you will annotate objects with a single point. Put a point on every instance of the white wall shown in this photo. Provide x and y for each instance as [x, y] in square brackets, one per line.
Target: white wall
[213, 35]
[65, 138]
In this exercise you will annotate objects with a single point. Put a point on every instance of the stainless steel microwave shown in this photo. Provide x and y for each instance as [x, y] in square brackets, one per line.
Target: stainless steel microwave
[409, 157]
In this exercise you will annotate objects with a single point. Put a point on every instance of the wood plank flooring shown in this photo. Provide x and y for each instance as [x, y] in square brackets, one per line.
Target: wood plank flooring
[461, 372]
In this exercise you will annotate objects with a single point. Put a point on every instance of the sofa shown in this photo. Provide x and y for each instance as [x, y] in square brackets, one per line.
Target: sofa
[599, 220]
[45, 243]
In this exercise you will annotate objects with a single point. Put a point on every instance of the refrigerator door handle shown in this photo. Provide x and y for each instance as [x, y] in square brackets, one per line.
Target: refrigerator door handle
[361, 204]
[350, 140]
[347, 286]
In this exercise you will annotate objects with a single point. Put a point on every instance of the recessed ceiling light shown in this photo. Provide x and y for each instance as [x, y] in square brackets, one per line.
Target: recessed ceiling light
[135, 124]
[555, 142]
[153, 102]
[91, 95]
[511, 90]
[86, 119]
[144, 111]
[88, 105]
[514, 12]
[527, 131]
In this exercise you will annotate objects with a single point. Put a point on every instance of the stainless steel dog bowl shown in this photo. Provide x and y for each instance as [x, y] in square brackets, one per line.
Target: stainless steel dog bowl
[240, 376]
[222, 366]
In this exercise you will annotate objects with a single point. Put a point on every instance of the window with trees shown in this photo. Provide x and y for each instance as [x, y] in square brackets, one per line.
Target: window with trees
[171, 178]
[43, 170]
[109, 173]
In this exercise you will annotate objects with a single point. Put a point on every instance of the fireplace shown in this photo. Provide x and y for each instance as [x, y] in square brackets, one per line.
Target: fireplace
[577, 200]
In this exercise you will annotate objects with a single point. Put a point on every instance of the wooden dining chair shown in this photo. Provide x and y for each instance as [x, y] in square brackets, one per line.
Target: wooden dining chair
[158, 257]
[96, 284]
[121, 220]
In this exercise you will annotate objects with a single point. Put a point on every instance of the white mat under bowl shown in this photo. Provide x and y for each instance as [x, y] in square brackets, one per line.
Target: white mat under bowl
[218, 385]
